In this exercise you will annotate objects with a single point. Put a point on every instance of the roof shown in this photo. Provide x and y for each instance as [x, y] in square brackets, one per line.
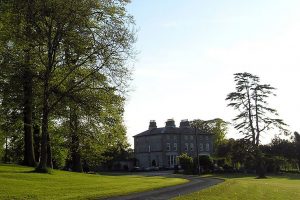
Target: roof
[171, 130]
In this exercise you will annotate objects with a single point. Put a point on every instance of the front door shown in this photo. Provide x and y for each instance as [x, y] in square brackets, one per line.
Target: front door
[172, 160]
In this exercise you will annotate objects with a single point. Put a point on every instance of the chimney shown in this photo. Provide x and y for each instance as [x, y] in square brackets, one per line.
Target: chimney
[152, 124]
[170, 123]
[184, 123]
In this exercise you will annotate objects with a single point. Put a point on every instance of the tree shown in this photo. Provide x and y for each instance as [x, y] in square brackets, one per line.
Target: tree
[186, 162]
[60, 47]
[16, 37]
[217, 127]
[255, 116]
[297, 144]
[93, 35]
[250, 99]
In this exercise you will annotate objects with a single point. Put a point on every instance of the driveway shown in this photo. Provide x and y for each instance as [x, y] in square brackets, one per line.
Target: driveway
[195, 184]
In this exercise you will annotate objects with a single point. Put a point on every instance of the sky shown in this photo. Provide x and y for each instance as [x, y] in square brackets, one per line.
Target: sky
[189, 50]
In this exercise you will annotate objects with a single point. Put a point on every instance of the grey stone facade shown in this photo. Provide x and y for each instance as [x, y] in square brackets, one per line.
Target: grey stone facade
[160, 146]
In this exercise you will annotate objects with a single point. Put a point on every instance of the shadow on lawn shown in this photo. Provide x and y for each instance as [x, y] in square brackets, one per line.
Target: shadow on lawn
[254, 176]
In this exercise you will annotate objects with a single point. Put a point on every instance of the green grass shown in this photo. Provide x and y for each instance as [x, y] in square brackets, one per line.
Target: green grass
[18, 182]
[244, 187]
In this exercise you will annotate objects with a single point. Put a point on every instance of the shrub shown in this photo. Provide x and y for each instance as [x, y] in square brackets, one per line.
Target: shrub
[206, 163]
[186, 163]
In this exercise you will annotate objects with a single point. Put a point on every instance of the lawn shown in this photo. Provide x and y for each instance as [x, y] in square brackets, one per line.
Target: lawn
[244, 187]
[18, 182]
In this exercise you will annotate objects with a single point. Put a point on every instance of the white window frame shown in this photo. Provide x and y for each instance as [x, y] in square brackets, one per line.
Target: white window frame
[168, 147]
[186, 147]
[207, 147]
[192, 146]
[201, 146]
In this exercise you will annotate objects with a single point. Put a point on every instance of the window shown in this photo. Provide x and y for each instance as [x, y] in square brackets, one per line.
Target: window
[175, 146]
[206, 137]
[172, 160]
[186, 147]
[168, 137]
[186, 137]
[201, 147]
[149, 148]
[201, 137]
[175, 138]
[192, 147]
[207, 147]
[168, 147]
[191, 137]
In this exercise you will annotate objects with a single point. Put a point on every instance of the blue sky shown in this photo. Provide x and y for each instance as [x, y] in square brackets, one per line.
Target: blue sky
[189, 50]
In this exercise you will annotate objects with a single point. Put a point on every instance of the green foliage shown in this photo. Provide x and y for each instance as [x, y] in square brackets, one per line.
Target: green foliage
[217, 127]
[283, 151]
[76, 52]
[297, 145]
[186, 163]
[274, 163]
[206, 163]
[22, 183]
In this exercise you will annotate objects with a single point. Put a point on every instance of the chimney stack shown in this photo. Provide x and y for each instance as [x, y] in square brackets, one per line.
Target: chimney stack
[184, 123]
[170, 123]
[152, 124]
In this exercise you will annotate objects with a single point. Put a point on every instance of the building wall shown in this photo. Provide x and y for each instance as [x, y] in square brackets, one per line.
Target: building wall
[166, 146]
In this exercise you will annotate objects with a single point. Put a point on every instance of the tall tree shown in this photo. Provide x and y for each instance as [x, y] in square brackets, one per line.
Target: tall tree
[217, 127]
[16, 36]
[255, 116]
[98, 35]
[297, 144]
[251, 100]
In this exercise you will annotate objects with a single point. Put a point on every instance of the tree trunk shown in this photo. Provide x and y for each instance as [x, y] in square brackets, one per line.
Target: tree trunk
[6, 150]
[37, 142]
[49, 153]
[44, 141]
[256, 119]
[29, 158]
[250, 116]
[75, 151]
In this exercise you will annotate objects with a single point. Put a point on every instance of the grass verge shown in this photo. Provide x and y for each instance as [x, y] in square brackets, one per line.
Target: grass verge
[18, 182]
[247, 187]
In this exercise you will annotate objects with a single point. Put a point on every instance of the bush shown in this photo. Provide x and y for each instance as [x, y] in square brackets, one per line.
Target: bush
[206, 163]
[186, 163]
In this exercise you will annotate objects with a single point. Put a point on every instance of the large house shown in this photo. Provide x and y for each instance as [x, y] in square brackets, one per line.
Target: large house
[160, 146]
